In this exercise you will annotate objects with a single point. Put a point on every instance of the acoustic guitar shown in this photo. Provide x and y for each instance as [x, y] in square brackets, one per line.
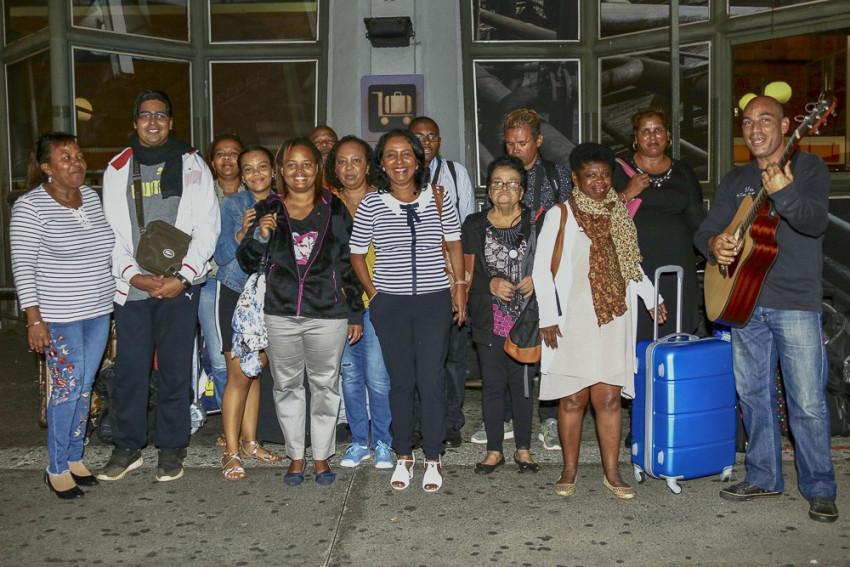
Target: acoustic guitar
[731, 292]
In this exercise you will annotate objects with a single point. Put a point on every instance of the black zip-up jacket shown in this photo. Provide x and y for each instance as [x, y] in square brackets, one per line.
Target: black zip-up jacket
[480, 303]
[326, 288]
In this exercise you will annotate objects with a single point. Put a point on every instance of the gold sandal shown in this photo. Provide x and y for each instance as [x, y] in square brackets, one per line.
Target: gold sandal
[621, 492]
[232, 473]
[254, 452]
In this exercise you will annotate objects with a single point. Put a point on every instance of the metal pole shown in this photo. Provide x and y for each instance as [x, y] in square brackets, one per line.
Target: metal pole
[675, 87]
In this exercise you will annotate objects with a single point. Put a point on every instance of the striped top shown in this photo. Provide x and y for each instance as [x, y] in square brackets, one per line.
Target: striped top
[61, 256]
[407, 237]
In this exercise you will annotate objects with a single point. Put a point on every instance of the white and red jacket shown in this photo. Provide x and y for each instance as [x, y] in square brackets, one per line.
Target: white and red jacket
[197, 215]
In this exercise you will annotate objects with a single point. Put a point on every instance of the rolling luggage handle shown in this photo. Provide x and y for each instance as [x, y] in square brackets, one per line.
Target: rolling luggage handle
[680, 277]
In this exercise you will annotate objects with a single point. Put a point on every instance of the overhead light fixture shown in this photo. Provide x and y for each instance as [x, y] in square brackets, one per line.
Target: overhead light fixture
[394, 31]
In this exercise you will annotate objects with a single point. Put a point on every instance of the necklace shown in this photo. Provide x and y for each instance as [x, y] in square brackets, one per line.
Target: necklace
[659, 179]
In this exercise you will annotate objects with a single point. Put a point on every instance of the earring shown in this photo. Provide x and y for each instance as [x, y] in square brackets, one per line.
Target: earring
[669, 143]
[383, 168]
[634, 146]
[49, 179]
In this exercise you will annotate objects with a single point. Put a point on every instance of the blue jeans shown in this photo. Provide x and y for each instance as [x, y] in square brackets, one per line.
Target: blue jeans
[209, 327]
[73, 359]
[793, 338]
[363, 371]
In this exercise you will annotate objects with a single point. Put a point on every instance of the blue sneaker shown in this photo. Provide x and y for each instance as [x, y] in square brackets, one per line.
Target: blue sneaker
[354, 455]
[383, 456]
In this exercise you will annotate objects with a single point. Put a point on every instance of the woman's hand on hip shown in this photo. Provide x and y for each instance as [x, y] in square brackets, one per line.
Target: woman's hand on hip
[354, 333]
[549, 335]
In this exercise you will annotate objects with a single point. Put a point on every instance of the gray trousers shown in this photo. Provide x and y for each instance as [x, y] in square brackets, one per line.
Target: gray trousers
[296, 344]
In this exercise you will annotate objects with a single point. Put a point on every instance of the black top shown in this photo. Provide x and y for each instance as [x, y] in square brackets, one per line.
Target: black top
[666, 222]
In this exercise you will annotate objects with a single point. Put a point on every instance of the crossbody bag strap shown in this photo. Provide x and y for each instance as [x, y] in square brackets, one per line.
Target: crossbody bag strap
[626, 167]
[559, 240]
[137, 194]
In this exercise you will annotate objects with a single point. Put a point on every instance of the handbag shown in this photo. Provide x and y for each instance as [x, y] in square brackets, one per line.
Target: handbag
[249, 324]
[439, 192]
[523, 341]
[633, 205]
[161, 247]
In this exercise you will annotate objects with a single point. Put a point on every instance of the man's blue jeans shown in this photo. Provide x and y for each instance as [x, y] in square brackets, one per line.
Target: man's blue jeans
[363, 371]
[793, 338]
[73, 359]
[208, 318]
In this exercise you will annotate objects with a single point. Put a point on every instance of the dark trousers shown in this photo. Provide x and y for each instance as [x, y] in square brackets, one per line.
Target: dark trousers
[414, 335]
[166, 326]
[456, 376]
[504, 378]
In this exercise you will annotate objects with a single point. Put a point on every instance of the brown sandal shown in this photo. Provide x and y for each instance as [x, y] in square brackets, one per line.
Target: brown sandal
[235, 472]
[255, 452]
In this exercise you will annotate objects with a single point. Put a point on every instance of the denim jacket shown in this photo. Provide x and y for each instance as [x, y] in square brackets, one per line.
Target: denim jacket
[229, 273]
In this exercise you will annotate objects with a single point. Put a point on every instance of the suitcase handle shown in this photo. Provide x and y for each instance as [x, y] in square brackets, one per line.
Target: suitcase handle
[680, 277]
[679, 337]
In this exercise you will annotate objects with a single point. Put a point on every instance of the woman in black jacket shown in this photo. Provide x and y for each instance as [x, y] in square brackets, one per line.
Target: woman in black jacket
[313, 301]
[502, 241]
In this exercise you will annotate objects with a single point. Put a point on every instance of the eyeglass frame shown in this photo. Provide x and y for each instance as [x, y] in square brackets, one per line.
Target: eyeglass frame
[430, 137]
[503, 185]
[159, 116]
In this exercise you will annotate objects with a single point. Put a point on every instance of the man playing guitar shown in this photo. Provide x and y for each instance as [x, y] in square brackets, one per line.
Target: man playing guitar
[785, 325]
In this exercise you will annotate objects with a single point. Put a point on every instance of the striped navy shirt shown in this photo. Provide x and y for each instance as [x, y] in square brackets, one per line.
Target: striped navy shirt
[407, 239]
[61, 256]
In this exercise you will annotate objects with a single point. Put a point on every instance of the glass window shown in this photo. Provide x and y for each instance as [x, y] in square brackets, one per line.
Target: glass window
[548, 86]
[105, 87]
[262, 20]
[546, 20]
[819, 64]
[630, 82]
[744, 7]
[265, 102]
[618, 17]
[29, 106]
[168, 19]
[23, 17]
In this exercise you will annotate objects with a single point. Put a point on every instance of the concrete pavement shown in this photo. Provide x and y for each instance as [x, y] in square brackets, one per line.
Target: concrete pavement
[501, 519]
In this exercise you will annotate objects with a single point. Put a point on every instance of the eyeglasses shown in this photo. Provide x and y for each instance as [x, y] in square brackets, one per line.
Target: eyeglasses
[223, 154]
[146, 115]
[505, 185]
[429, 137]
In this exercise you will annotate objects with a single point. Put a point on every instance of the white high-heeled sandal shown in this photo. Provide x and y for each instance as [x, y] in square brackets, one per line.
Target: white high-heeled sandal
[402, 474]
[433, 476]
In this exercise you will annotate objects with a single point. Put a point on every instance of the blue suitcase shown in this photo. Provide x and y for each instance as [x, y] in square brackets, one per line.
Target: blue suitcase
[683, 414]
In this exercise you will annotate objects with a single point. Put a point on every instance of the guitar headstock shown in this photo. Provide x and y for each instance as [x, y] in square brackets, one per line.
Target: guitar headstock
[818, 112]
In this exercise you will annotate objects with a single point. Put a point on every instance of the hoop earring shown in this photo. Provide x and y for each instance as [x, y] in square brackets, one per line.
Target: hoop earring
[669, 143]
[634, 146]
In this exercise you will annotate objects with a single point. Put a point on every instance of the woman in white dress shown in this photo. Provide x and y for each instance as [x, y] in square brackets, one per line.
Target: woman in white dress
[588, 312]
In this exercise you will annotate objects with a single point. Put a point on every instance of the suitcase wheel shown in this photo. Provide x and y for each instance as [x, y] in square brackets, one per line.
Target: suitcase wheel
[674, 486]
[640, 476]
[726, 475]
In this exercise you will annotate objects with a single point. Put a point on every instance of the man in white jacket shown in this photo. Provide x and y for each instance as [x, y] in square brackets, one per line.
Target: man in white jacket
[154, 313]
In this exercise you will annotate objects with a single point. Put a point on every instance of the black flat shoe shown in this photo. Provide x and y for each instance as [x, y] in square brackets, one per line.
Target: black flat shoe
[87, 480]
[526, 466]
[69, 494]
[481, 468]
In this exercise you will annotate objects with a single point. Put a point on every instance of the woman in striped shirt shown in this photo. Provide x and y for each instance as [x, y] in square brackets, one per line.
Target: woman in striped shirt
[411, 299]
[61, 247]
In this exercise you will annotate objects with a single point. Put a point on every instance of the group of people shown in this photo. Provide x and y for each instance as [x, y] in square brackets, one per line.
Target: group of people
[376, 263]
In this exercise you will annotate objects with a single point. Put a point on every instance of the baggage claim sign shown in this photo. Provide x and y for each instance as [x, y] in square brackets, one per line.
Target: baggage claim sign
[389, 102]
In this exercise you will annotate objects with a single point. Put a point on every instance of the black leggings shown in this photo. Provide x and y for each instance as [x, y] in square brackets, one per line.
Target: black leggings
[500, 375]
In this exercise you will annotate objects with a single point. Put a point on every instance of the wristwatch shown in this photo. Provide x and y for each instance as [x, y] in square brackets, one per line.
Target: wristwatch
[186, 283]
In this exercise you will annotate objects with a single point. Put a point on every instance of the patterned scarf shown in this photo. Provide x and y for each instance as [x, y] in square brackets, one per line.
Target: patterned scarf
[614, 254]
